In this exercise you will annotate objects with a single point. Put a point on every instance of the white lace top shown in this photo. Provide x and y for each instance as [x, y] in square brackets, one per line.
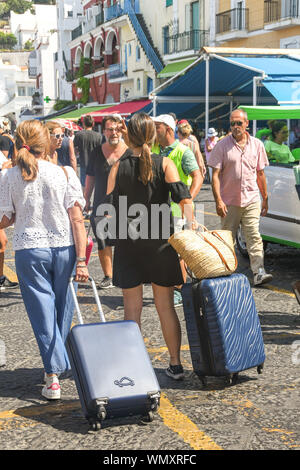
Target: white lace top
[40, 206]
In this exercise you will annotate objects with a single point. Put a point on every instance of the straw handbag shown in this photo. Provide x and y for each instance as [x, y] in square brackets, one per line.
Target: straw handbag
[207, 254]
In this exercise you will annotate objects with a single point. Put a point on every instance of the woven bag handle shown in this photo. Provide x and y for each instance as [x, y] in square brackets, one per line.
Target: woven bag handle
[216, 234]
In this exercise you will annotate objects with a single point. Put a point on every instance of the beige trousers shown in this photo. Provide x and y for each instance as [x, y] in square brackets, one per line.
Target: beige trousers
[249, 218]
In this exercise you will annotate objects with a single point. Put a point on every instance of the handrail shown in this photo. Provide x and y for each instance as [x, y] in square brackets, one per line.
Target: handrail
[151, 54]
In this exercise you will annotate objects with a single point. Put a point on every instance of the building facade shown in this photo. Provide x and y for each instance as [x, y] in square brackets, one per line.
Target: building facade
[69, 14]
[257, 23]
[16, 88]
[113, 49]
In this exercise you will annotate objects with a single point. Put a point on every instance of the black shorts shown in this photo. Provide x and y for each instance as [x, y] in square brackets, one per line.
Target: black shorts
[146, 261]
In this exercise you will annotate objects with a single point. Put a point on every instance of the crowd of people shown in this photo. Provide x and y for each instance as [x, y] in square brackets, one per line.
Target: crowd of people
[150, 162]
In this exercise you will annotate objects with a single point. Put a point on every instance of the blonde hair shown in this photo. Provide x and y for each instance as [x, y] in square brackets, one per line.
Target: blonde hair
[52, 125]
[32, 140]
[185, 129]
[142, 133]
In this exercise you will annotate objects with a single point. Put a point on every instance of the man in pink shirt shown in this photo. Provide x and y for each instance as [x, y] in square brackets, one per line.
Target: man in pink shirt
[238, 163]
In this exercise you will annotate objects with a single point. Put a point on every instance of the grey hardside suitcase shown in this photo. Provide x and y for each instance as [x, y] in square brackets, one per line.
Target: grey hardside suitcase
[111, 368]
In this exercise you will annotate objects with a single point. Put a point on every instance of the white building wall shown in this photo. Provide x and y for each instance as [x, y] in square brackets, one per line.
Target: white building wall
[16, 88]
[68, 13]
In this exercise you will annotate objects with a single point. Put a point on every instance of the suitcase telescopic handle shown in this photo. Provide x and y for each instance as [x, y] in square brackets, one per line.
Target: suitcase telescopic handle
[80, 319]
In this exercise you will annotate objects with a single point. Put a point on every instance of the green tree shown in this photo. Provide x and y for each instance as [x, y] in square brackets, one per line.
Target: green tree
[18, 6]
[7, 41]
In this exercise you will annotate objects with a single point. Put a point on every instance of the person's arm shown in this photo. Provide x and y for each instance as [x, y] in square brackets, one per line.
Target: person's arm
[221, 207]
[172, 176]
[190, 167]
[199, 159]
[6, 222]
[89, 187]
[197, 181]
[80, 239]
[262, 184]
[73, 160]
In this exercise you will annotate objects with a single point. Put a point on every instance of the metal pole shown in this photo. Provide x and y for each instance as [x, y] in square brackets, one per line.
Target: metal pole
[206, 94]
[154, 105]
[254, 102]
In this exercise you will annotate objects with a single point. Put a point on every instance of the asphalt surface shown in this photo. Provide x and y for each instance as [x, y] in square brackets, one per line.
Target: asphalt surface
[260, 412]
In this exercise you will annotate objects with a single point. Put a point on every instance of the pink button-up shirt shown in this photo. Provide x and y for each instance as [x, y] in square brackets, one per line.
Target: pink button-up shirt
[239, 168]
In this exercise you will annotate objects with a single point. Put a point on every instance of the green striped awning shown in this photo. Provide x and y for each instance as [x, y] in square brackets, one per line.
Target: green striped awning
[174, 67]
[77, 113]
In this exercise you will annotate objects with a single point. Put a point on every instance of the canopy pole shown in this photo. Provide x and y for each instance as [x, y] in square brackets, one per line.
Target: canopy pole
[154, 105]
[206, 93]
[254, 101]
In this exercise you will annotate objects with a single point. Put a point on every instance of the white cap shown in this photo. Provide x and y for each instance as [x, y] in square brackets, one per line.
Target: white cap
[212, 132]
[167, 120]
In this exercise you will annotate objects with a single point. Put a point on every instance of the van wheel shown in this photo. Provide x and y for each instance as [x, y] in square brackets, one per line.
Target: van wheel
[241, 243]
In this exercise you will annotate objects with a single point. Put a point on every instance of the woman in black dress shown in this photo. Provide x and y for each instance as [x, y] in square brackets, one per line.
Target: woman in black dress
[144, 255]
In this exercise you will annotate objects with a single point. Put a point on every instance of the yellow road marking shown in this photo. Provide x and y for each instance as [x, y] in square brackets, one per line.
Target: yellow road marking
[171, 417]
[184, 427]
[10, 273]
[279, 290]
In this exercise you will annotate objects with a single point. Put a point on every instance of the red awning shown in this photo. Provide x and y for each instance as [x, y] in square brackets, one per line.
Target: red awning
[124, 109]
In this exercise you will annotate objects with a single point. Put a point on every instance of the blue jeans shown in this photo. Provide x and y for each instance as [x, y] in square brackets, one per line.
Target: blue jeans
[43, 275]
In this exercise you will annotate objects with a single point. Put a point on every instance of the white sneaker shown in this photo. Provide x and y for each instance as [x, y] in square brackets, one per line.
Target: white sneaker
[262, 277]
[51, 389]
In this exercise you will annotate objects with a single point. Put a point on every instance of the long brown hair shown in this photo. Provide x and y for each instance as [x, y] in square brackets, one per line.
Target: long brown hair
[141, 133]
[32, 141]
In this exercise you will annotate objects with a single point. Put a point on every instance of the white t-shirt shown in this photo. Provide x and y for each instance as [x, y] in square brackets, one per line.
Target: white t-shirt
[40, 206]
[2, 159]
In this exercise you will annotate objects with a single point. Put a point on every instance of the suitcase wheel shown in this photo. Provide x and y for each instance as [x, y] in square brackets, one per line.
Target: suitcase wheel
[148, 418]
[233, 378]
[95, 424]
[203, 380]
[101, 413]
[260, 368]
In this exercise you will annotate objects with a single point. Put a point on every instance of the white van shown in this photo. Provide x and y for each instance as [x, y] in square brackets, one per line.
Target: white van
[282, 223]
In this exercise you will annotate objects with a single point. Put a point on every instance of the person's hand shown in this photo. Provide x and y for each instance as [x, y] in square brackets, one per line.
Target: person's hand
[124, 131]
[82, 273]
[264, 207]
[221, 208]
[87, 206]
[7, 164]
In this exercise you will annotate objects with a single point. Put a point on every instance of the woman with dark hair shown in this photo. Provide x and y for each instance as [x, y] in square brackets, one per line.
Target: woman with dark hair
[45, 204]
[145, 256]
[275, 148]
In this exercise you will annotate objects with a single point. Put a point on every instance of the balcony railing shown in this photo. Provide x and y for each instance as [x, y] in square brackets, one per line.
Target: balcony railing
[275, 12]
[271, 12]
[236, 19]
[100, 18]
[77, 32]
[189, 40]
[117, 71]
[32, 72]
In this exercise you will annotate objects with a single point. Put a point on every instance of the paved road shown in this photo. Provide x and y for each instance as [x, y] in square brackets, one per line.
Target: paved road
[260, 412]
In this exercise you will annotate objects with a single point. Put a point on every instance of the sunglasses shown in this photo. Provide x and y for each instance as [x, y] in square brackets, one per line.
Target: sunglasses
[58, 136]
[111, 130]
[236, 123]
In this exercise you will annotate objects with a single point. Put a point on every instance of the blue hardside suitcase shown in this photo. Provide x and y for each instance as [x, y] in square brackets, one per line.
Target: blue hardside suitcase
[111, 368]
[223, 327]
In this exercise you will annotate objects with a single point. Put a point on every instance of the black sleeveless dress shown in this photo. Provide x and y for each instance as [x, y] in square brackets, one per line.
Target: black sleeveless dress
[142, 252]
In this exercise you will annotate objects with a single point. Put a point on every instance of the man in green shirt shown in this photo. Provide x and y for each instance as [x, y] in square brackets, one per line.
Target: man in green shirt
[187, 167]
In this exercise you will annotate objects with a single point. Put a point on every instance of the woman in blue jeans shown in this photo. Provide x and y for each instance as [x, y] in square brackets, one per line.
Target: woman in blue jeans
[45, 204]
